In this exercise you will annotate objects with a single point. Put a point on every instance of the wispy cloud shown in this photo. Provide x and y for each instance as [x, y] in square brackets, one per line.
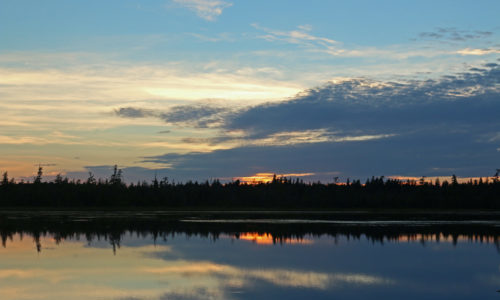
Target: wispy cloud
[131, 112]
[206, 9]
[221, 37]
[140, 82]
[300, 36]
[473, 51]
[454, 34]
[196, 115]
[312, 136]
[303, 37]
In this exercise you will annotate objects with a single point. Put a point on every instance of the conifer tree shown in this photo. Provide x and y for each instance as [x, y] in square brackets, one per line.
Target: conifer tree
[5, 179]
[38, 178]
[91, 179]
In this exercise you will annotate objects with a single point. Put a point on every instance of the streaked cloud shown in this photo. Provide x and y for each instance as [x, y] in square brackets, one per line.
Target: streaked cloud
[195, 116]
[305, 137]
[205, 9]
[130, 112]
[471, 51]
[301, 36]
[138, 83]
[455, 34]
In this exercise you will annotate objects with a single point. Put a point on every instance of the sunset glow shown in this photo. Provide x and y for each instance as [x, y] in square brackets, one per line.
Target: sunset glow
[268, 239]
[432, 179]
[251, 149]
[161, 87]
[268, 177]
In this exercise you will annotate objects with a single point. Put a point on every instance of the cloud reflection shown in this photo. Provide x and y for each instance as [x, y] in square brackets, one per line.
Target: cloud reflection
[279, 277]
[70, 270]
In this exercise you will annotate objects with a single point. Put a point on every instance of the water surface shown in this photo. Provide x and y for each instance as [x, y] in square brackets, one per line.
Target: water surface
[110, 256]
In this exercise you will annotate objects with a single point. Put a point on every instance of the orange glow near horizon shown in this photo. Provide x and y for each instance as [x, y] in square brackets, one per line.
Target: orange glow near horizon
[268, 239]
[432, 179]
[268, 177]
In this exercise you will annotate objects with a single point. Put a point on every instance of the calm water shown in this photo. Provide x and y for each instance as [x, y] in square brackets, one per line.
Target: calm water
[198, 258]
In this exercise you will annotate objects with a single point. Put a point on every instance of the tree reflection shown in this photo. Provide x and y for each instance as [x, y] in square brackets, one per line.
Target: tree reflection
[113, 228]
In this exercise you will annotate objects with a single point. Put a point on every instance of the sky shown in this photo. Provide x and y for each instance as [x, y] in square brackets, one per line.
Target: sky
[204, 89]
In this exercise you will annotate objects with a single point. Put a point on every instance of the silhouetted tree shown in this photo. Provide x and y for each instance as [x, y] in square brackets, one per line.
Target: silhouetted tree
[155, 182]
[378, 192]
[437, 182]
[5, 178]
[58, 179]
[38, 178]
[91, 179]
[116, 177]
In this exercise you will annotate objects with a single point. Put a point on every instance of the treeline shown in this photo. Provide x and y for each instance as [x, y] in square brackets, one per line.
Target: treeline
[280, 193]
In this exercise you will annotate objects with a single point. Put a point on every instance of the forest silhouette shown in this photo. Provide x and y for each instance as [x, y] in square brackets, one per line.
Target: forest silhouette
[280, 193]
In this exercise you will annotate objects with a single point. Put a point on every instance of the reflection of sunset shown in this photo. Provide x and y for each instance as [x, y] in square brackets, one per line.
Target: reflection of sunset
[268, 239]
[268, 177]
[74, 269]
[446, 238]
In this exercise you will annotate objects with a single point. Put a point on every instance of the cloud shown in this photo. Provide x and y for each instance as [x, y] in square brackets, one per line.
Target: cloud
[339, 105]
[454, 34]
[300, 36]
[472, 51]
[360, 128]
[221, 37]
[303, 37]
[46, 165]
[205, 9]
[340, 116]
[311, 136]
[195, 115]
[200, 293]
[131, 112]
[89, 82]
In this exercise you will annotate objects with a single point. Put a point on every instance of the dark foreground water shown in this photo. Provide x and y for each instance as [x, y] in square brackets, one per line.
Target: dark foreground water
[240, 256]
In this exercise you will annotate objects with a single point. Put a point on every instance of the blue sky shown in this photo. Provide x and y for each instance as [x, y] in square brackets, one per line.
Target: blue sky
[160, 86]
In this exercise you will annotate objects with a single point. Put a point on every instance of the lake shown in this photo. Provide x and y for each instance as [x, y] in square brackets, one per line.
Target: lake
[241, 255]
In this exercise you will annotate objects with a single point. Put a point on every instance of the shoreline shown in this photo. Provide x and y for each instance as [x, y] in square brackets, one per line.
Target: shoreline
[211, 213]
